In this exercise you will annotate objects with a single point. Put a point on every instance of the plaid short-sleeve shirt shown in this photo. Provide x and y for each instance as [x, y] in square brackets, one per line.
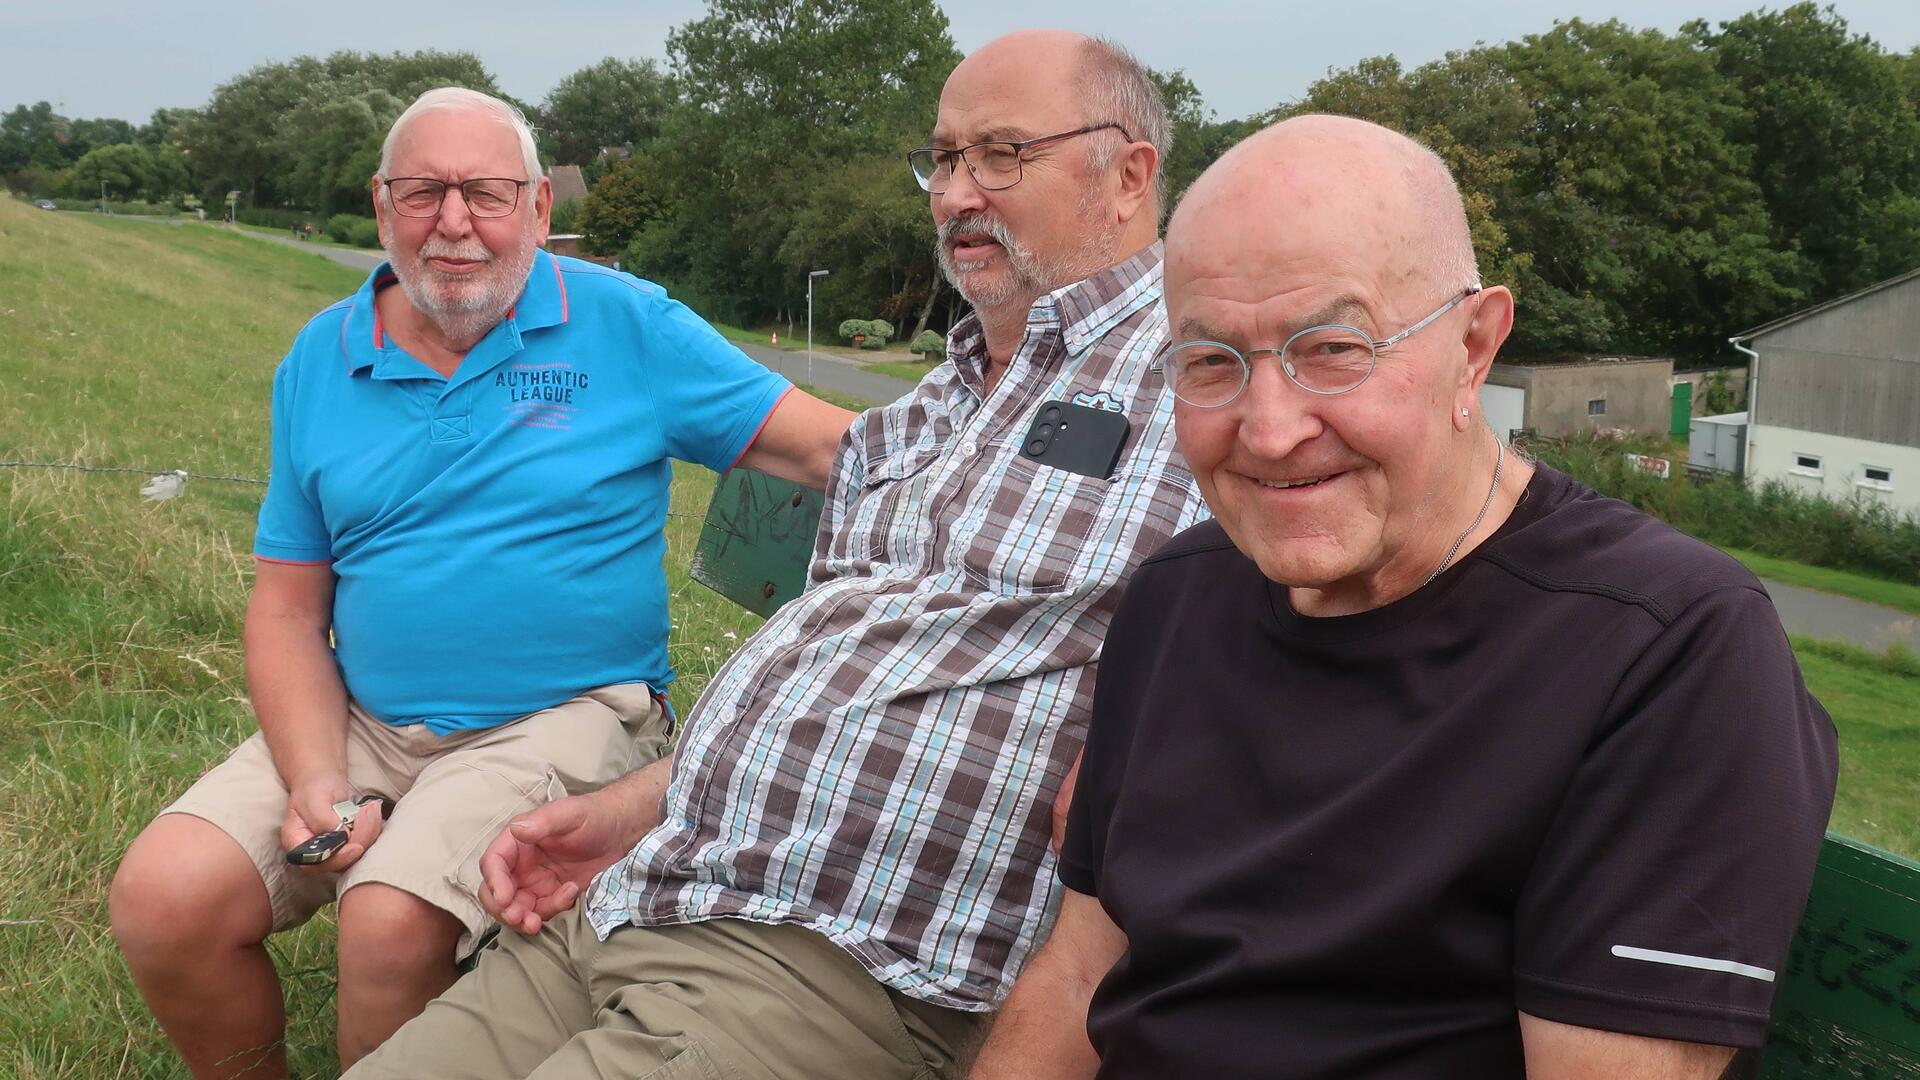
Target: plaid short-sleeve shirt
[879, 762]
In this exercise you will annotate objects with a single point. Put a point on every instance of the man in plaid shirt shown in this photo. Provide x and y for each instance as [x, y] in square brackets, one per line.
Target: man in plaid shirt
[847, 862]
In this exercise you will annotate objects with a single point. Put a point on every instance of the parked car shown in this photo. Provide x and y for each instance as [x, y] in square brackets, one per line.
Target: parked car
[45, 204]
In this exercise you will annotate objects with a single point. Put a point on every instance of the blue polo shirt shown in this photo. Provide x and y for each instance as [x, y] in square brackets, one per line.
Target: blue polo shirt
[497, 535]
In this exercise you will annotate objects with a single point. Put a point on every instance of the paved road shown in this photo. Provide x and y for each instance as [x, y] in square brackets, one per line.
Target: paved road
[354, 257]
[831, 373]
[1842, 618]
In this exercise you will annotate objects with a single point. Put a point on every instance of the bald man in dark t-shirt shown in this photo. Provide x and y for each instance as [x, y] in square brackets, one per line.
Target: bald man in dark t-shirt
[1420, 760]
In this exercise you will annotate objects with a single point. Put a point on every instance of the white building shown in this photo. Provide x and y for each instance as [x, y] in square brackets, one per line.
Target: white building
[1834, 404]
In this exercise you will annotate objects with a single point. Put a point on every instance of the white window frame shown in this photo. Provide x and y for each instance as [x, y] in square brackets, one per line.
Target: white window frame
[1817, 470]
[1872, 484]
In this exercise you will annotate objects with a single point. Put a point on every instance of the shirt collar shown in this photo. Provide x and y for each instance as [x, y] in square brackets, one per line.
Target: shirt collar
[1082, 312]
[542, 303]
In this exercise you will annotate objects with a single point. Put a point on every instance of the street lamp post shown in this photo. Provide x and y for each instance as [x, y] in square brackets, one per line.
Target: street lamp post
[810, 276]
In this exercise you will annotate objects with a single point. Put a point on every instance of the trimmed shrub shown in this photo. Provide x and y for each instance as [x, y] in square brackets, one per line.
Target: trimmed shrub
[364, 233]
[929, 344]
[339, 227]
[873, 332]
[852, 328]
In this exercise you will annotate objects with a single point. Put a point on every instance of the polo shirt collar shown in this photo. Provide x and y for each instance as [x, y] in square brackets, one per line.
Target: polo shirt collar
[542, 303]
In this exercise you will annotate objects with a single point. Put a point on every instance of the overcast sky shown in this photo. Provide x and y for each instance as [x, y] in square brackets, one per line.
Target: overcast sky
[125, 58]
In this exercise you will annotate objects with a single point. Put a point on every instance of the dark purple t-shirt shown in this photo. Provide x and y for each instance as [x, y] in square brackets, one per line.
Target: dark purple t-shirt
[1578, 775]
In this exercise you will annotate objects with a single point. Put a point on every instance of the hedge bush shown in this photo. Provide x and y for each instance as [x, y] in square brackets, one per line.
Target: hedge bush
[873, 332]
[364, 233]
[931, 344]
[271, 216]
[1773, 518]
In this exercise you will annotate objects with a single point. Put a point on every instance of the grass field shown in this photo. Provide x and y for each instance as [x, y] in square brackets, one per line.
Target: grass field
[134, 344]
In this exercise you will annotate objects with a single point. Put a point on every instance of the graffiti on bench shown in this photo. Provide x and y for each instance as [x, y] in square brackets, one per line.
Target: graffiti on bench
[1850, 996]
[757, 540]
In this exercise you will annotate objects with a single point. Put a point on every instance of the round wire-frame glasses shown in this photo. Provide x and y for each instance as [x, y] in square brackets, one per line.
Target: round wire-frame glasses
[994, 166]
[1328, 359]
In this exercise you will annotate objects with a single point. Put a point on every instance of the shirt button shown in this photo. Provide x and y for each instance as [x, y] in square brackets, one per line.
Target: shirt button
[968, 449]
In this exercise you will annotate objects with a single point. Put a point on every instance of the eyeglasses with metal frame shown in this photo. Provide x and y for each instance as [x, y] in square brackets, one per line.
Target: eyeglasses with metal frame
[995, 166]
[1326, 360]
[485, 196]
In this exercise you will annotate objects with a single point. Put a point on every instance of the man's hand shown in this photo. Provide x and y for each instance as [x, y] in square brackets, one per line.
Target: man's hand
[310, 812]
[545, 858]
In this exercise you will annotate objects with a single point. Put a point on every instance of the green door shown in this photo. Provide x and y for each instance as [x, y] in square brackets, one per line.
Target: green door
[1682, 408]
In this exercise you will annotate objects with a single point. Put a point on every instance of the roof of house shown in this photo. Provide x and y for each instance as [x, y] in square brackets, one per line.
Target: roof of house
[1786, 320]
[568, 184]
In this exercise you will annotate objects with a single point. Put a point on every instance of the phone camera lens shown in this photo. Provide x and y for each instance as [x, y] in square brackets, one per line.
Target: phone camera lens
[1037, 446]
[1044, 430]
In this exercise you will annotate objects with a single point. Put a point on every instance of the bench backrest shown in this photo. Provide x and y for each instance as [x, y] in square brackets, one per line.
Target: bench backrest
[1849, 1004]
[757, 540]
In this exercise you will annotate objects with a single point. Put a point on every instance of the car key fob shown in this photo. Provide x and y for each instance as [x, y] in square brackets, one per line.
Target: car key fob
[319, 848]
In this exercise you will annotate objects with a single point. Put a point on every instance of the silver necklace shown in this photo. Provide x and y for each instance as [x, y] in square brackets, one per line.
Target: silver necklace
[1478, 518]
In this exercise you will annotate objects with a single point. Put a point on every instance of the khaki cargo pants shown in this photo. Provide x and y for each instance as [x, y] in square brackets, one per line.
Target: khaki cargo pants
[719, 1000]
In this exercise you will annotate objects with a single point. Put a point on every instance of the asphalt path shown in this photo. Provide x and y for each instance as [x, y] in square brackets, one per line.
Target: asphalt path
[357, 258]
[830, 373]
[1842, 618]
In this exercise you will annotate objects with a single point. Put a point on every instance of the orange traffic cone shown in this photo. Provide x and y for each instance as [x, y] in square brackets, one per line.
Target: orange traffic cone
[776, 338]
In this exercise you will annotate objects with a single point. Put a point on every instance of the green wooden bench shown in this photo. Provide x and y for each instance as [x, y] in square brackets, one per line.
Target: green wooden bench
[1849, 1003]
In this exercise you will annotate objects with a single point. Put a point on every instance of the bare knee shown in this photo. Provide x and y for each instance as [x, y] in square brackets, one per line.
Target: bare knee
[390, 935]
[185, 888]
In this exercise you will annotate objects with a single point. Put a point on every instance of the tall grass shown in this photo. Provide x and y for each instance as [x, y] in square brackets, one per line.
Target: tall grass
[1770, 518]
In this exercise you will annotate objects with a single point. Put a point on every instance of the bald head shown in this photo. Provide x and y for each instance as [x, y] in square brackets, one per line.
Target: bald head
[1338, 188]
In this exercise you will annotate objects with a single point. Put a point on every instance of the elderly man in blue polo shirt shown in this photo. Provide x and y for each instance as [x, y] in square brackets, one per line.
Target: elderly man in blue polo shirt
[459, 604]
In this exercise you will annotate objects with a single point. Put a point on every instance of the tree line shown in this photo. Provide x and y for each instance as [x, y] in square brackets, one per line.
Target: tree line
[1641, 191]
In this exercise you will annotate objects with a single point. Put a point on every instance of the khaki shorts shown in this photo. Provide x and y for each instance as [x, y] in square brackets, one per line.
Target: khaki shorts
[453, 794]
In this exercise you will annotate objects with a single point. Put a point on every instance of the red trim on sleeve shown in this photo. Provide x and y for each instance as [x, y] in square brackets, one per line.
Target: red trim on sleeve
[292, 562]
[561, 282]
[764, 421]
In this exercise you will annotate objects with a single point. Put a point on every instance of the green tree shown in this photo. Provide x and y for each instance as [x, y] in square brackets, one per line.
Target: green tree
[776, 93]
[86, 135]
[612, 103]
[167, 174]
[1834, 121]
[32, 136]
[633, 195]
[1633, 196]
[124, 170]
[257, 130]
[339, 150]
[163, 127]
[867, 220]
